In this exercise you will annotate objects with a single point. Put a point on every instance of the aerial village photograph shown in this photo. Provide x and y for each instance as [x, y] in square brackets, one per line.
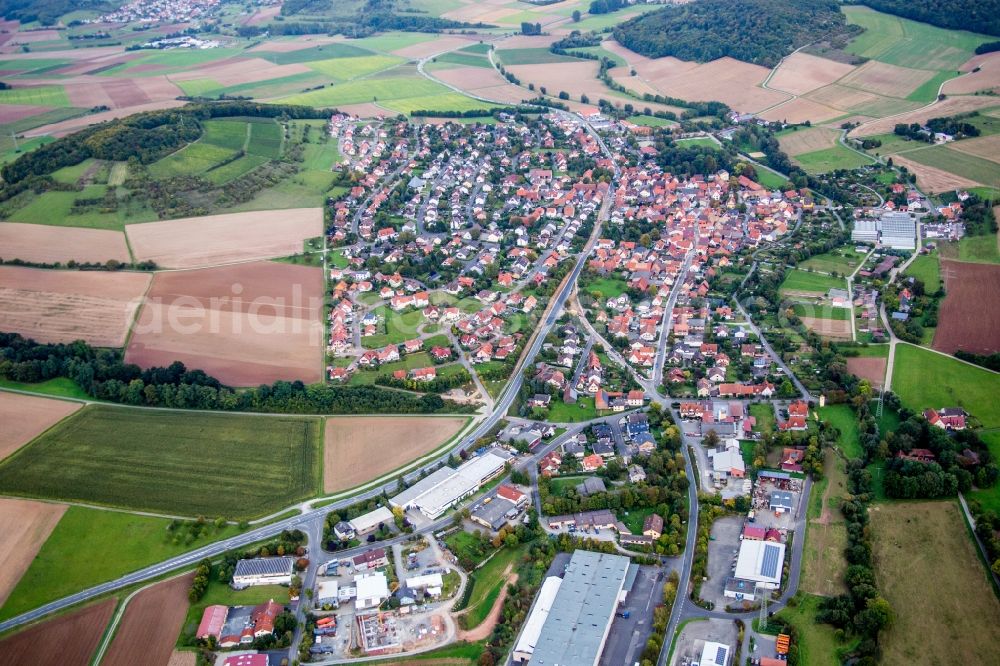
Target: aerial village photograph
[499, 332]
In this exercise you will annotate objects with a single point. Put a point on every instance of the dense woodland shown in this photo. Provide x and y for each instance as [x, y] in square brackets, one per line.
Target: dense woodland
[756, 31]
[974, 15]
[103, 374]
[47, 12]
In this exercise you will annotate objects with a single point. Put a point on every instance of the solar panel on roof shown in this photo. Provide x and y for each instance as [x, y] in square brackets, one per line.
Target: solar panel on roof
[720, 656]
[769, 567]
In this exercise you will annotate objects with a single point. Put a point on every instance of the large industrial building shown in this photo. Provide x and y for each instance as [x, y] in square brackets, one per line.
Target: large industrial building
[893, 229]
[761, 562]
[439, 491]
[570, 620]
[263, 571]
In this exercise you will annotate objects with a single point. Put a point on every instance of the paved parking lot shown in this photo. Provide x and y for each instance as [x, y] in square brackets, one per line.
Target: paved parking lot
[628, 636]
[721, 558]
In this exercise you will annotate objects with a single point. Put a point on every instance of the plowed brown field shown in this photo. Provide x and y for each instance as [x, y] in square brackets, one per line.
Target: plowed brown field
[244, 324]
[25, 525]
[870, 368]
[63, 306]
[24, 417]
[45, 244]
[359, 449]
[148, 630]
[67, 640]
[970, 314]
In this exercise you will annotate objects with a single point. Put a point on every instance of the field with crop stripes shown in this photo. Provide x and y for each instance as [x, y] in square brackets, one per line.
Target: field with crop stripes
[236, 466]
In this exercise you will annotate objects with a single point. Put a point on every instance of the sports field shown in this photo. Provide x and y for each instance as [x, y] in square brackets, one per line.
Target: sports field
[237, 466]
[955, 384]
[918, 542]
[803, 281]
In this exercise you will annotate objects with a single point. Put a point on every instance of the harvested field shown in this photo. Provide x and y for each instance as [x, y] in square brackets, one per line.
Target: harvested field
[829, 328]
[885, 79]
[263, 14]
[853, 99]
[359, 449]
[807, 140]
[576, 78]
[192, 242]
[246, 324]
[65, 127]
[178, 658]
[947, 107]
[236, 71]
[367, 110]
[288, 44]
[970, 314]
[25, 526]
[934, 180]
[726, 80]
[486, 83]
[916, 542]
[44, 244]
[987, 78]
[801, 72]
[12, 112]
[66, 640]
[429, 48]
[148, 630]
[27, 416]
[63, 306]
[987, 147]
[800, 110]
[870, 368]
[526, 42]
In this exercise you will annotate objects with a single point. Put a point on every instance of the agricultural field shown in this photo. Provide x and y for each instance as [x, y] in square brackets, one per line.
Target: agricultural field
[358, 449]
[101, 455]
[63, 306]
[375, 89]
[927, 269]
[44, 244]
[871, 368]
[823, 562]
[148, 630]
[915, 542]
[831, 159]
[67, 640]
[842, 260]
[530, 57]
[26, 416]
[969, 318]
[244, 324]
[195, 242]
[25, 525]
[955, 384]
[976, 249]
[803, 282]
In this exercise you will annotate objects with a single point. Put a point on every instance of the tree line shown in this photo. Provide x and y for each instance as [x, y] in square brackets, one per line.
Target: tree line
[102, 374]
[973, 15]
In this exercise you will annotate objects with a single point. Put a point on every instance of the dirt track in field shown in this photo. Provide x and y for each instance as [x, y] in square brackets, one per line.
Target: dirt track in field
[24, 417]
[149, 628]
[969, 318]
[67, 640]
[25, 525]
[63, 306]
[361, 448]
[244, 324]
[193, 242]
[45, 244]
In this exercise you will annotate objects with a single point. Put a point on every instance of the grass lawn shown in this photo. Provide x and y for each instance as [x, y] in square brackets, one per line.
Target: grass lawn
[237, 466]
[375, 89]
[583, 410]
[530, 57]
[831, 159]
[599, 22]
[764, 413]
[467, 545]
[823, 562]
[487, 583]
[927, 269]
[979, 249]
[651, 121]
[607, 287]
[220, 593]
[698, 141]
[60, 387]
[111, 544]
[441, 101]
[954, 384]
[35, 96]
[194, 158]
[770, 180]
[917, 542]
[967, 166]
[408, 362]
[398, 327]
[990, 497]
[841, 260]
[843, 418]
[345, 69]
[799, 280]
[634, 518]
[818, 644]
[821, 311]
[54, 207]
[455, 654]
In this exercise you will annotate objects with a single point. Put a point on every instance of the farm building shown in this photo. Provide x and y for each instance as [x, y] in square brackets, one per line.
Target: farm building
[579, 619]
[263, 571]
[740, 589]
[761, 562]
[245, 624]
[213, 619]
[370, 521]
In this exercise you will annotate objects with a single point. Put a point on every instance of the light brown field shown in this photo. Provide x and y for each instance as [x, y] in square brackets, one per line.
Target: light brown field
[947, 107]
[526, 42]
[432, 47]
[807, 140]
[359, 449]
[73, 124]
[987, 147]
[45, 244]
[481, 82]
[178, 658]
[828, 328]
[631, 57]
[931, 179]
[885, 79]
[870, 368]
[823, 563]
[236, 71]
[987, 78]
[65, 640]
[192, 242]
[25, 526]
[148, 630]
[800, 110]
[726, 80]
[801, 72]
[575, 78]
[24, 417]
[843, 98]
[365, 110]
[63, 306]
[263, 14]
[917, 542]
[11, 112]
[244, 324]
[32, 36]
[287, 44]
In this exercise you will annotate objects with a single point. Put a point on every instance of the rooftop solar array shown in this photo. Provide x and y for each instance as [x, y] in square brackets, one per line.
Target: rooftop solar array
[769, 567]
